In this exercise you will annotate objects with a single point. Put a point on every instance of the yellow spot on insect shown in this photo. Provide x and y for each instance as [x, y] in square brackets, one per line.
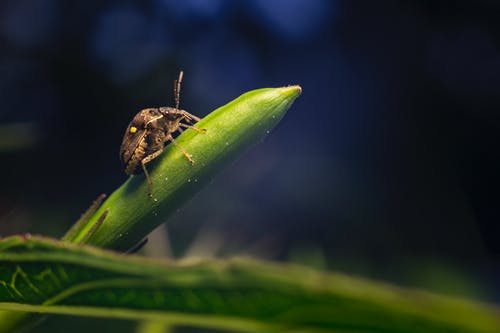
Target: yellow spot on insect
[133, 129]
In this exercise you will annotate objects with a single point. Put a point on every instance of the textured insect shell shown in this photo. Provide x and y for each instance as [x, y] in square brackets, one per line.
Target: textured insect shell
[131, 150]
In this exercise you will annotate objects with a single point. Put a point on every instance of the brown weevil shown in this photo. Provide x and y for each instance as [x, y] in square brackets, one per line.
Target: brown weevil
[148, 132]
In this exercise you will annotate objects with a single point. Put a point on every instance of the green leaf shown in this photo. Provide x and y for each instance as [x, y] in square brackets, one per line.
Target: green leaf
[47, 276]
[230, 131]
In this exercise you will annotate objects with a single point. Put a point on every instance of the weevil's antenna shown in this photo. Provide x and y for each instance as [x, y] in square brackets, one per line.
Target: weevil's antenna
[177, 89]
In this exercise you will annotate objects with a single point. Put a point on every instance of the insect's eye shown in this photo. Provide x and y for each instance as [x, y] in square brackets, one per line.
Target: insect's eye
[133, 129]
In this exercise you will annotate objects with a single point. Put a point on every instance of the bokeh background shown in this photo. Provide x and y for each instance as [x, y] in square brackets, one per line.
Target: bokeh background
[387, 166]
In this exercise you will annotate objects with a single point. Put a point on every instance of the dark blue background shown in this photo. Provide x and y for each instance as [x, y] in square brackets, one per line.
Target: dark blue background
[386, 166]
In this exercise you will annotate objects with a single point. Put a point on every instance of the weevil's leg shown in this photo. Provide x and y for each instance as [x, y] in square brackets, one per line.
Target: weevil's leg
[190, 159]
[188, 116]
[185, 115]
[197, 129]
[150, 185]
[146, 160]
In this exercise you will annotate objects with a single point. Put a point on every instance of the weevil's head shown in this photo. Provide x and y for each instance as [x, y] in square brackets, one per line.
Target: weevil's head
[173, 113]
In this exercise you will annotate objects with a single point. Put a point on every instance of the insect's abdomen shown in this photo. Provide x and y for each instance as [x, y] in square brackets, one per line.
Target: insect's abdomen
[133, 165]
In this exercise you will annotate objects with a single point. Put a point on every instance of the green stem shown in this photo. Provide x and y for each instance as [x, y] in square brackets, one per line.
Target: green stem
[230, 131]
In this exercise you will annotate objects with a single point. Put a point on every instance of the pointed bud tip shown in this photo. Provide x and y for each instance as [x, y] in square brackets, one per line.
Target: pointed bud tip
[292, 91]
[297, 88]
